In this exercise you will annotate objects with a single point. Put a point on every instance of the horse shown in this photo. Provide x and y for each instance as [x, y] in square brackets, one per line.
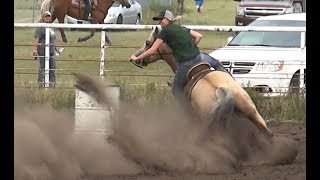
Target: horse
[214, 95]
[223, 108]
[75, 8]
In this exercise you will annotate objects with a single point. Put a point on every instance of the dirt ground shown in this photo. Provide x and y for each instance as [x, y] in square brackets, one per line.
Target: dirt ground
[44, 149]
[154, 142]
[294, 171]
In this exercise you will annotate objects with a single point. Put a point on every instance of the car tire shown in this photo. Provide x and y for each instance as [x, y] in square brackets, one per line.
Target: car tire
[297, 8]
[294, 86]
[120, 19]
[138, 20]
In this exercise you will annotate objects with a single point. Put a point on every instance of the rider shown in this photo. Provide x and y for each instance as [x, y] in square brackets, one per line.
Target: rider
[183, 42]
[89, 7]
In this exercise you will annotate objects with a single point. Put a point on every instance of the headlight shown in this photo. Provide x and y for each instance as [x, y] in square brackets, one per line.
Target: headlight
[270, 66]
[288, 10]
[240, 11]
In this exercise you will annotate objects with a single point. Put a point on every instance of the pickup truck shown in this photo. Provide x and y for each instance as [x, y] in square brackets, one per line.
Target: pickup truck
[249, 10]
[268, 61]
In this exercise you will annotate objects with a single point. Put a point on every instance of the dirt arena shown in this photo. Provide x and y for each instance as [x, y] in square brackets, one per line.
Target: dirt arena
[45, 148]
[152, 142]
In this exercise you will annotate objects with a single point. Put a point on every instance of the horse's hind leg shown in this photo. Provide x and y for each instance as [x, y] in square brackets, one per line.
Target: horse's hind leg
[245, 105]
[63, 35]
[223, 109]
[92, 32]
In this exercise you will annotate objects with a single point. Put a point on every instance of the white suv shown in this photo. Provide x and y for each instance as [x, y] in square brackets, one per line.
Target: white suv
[267, 61]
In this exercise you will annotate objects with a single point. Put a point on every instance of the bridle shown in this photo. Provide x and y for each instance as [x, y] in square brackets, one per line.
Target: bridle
[143, 62]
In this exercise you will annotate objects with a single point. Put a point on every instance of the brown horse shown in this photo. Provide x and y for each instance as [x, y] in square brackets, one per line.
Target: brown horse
[215, 95]
[76, 9]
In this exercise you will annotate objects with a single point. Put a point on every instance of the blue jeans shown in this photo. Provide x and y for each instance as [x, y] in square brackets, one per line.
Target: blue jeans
[180, 80]
[213, 62]
[199, 2]
[52, 67]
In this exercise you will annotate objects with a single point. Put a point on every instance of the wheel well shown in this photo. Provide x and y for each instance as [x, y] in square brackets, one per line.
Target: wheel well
[294, 86]
[296, 76]
[302, 6]
[120, 15]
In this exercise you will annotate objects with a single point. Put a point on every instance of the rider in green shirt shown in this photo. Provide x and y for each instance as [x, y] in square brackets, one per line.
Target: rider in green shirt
[183, 42]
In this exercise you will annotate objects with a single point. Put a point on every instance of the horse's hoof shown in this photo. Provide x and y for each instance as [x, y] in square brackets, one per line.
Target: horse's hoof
[80, 40]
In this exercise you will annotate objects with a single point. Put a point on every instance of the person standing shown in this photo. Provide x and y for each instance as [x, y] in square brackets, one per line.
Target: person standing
[199, 4]
[39, 51]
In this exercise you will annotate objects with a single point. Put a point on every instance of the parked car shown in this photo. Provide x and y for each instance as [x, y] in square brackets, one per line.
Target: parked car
[117, 14]
[249, 10]
[266, 61]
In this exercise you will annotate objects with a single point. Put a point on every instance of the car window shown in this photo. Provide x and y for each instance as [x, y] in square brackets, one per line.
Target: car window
[281, 39]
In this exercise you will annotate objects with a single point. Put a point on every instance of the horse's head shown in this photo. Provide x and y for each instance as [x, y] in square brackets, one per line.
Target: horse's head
[148, 43]
[124, 3]
[163, 52]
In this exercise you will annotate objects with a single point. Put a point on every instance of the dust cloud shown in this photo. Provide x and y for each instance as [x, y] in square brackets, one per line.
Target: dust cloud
[46, 147]
[150, 140]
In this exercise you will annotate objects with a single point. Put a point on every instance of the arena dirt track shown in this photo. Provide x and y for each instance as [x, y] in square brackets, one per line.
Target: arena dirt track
[294, 171]
[43, 150]
[154, 142]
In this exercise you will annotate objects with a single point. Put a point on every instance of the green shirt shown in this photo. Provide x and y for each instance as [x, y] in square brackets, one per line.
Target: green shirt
[180, 41]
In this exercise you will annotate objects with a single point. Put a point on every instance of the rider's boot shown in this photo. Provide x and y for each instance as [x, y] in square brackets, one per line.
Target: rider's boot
[89, 17]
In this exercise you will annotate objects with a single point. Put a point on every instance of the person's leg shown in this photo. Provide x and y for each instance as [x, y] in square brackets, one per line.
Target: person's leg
[52, 72]
[198, 5]
[87, 10]
[213, 62]
[179, 81]
[41, 71]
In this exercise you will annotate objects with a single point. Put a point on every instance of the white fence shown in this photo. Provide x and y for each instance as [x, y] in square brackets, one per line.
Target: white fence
[146, 27]
[84, 104]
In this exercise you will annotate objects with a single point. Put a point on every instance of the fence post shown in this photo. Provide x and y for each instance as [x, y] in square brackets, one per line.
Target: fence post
[47, 57]
[33, 7]
[302, 46]
[103, 36]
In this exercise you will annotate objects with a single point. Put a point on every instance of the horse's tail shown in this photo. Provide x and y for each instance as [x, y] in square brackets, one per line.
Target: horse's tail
[224, 108]
[46, 5]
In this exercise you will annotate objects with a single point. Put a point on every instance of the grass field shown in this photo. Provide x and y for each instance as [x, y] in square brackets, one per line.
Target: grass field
[86, 59]
[119, 70]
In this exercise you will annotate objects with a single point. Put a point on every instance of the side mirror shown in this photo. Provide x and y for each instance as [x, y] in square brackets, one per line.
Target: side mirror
[229, 39]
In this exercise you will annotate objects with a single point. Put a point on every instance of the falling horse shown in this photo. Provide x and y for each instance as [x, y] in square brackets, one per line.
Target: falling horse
[208, 89]
[76, 9]
[216, 98]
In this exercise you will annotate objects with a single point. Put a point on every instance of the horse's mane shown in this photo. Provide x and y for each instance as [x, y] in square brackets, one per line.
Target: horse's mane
[46, 5]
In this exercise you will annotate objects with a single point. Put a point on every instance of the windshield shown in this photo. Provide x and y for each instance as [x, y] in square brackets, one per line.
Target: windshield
[259, 38]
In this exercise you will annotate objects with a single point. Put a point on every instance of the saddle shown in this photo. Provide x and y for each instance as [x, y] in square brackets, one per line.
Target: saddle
[195, 73]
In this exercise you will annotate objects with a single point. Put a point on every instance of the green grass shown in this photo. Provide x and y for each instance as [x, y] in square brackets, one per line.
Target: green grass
[119, 70]
[86, 59]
